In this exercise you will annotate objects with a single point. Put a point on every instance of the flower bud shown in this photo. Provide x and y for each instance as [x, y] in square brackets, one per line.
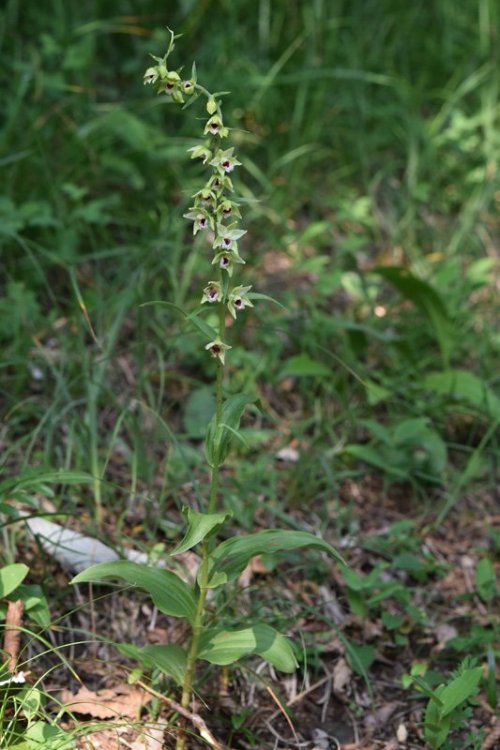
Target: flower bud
[211, 106]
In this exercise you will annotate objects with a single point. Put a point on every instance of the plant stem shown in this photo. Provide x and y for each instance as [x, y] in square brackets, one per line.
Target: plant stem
[187, 687]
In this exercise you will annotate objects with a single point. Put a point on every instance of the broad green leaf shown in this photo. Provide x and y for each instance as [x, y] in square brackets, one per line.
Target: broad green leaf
[459, 690]
[410, 430]
[361, 656]
[231, 557]
[11, 576]
[35, 603]
[227, 646]
[436, 726]
[465, 386]
[426, 298]
[219, 436]
[302, 365]
[200, 525]
[168, 592]
[372, 456]
[485, 580]
[43, 736]
[198, 410]
[169, 658]
[376, 393]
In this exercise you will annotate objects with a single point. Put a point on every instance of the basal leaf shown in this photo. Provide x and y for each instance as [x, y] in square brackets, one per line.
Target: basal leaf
[227, 646]
[230, 558]
[168, 592]
[200, 525]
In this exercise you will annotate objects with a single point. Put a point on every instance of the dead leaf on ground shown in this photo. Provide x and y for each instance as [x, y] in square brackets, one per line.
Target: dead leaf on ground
[381, 716]
[145, 737]
[121, 700]
[342, 676]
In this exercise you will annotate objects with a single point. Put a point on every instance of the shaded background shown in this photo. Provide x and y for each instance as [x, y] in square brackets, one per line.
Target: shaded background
[369, 136]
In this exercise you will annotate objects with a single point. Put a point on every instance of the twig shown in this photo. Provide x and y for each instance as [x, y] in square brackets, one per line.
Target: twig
[12, 637]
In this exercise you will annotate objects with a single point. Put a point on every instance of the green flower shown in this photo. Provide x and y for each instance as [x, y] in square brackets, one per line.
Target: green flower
[201, 219]
[238, 299]
[205, 198]
[227, 237]
[212, 292]
[226, 209]
[218, 349]
[225, 161]
[219, 183]
[200, 152]
[214, 126]
[151, 75]
[227, 260]
[171, 82]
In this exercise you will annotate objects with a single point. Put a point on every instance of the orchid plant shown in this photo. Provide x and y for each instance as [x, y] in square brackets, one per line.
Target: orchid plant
[215, 214]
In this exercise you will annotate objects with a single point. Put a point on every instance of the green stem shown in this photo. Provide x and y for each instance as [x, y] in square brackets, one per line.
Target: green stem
[187, 687]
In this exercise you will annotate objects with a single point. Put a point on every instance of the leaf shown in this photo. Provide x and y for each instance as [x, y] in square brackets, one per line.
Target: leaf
[302, 365]
[35, 603]
[43, 736]
[168, 592]
[426, 298]
[200, 525]
[218, 440]
[485, 580]
[265, 298]
[109, 703]
[361, 656]
[203, 327]
[376, 393]
[11, 576]
[372, 456]
[198, 410]
[37, 478]
[231, 557]
[227, 646]
[459, 690]
[465, 386]
[168, 658]
[436, 727]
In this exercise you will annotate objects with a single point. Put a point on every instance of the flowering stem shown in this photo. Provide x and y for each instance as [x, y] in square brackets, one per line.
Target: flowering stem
[187, 686]
[216, 215]
[219, 398]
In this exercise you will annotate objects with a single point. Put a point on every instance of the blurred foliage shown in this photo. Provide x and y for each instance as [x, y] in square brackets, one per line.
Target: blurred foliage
[369, 132]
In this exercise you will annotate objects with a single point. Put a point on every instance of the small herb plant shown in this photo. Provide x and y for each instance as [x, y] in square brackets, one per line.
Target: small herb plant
[448, 706]
[217, 215]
